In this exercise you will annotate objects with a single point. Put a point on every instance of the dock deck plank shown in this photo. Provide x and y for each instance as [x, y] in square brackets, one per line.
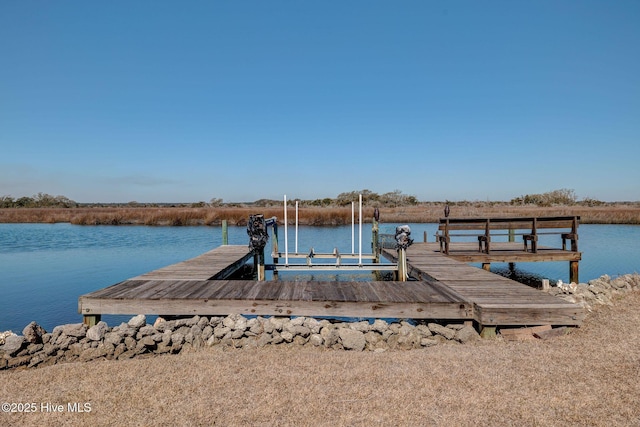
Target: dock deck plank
[447, 288]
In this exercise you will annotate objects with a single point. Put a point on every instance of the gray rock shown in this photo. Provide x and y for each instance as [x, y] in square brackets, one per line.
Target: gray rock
[162, 348]
[409, 341]
[120, 348]
[352, 339]
[277, 323]
[405, 329]
[196, 330]
[330, 335]
[93, 353]
[78, 330]
[203, 322]
[235, 321]
[164, 326]
[287, 336]
[313, 324]
[221, 331]
[98, 331]
[130, 343]
[299, 340]
[423, 330]
[177, 338]
[37, 359]
[33, 333]
[428, 342]
[372, 338]
[207, 332]
[63, 342]
[301, 331]
[263, 339]
[148, 341]
[466, 334]
[13, 344]
[146, 331]
[237, 334]
[379, 325]
[138, 321]
[316, 340]
[276, 338]
[112, 337]
[442, 331]
[360, 326]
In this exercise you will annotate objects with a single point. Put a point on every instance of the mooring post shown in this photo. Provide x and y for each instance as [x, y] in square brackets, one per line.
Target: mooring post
[258, 262]
[374, 241]
[225, 232]
[402, 265]
[486, 266]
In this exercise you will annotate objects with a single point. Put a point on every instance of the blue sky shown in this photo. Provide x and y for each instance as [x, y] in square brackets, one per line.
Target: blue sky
[158, 101]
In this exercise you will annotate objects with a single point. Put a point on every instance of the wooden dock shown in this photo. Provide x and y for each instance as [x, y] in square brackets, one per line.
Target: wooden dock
[446, 289]
[497, 300]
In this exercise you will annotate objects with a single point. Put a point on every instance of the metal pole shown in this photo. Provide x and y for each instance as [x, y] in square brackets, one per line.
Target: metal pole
[296, 226]
[353, 221]
[360, 234]
[286, 240]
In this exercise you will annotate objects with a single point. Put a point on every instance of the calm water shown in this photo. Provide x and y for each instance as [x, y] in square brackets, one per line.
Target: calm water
[44, 268]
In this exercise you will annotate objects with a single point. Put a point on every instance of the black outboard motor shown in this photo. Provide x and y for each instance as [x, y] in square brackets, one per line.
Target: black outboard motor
[403, 241]
[257, 231]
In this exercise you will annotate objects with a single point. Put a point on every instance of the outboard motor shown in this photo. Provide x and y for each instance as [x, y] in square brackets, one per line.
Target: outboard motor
[403, 241]
[257, 231]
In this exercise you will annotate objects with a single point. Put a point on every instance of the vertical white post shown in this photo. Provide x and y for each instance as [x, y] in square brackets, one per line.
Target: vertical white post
[296, 226]
[360, 233]
[286, 239]
[353, 228]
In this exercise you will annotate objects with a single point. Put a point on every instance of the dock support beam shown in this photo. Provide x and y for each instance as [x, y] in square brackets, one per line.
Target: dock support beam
[91, 319]
[573, 272]
[488, 331]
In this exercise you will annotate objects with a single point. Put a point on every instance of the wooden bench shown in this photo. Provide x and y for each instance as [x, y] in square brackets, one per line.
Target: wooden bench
[529, 228]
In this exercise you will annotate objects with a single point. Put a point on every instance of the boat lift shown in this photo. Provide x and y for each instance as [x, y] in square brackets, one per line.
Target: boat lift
[342, 261]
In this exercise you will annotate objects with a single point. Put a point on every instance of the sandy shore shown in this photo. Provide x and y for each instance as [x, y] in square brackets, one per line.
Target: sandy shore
[589, 377]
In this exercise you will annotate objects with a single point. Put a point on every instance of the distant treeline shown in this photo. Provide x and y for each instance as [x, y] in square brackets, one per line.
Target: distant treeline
[393, 199]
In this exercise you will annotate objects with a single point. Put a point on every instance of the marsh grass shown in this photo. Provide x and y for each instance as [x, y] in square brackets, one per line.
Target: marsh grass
[587, 378]
[317, 216]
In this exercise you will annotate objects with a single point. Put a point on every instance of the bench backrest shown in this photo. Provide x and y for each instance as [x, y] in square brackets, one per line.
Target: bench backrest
[509, 223]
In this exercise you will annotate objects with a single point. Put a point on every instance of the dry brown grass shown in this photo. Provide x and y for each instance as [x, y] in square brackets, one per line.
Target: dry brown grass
[613, 214]
[590, 377]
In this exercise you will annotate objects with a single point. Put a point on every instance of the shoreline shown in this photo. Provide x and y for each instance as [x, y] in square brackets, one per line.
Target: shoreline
[79, 343]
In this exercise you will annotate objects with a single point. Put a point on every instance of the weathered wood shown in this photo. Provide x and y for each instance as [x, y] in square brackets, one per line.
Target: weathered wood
[523, 334]
[225, 232]
[446, 289]
[483, 229]
[551, 333]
